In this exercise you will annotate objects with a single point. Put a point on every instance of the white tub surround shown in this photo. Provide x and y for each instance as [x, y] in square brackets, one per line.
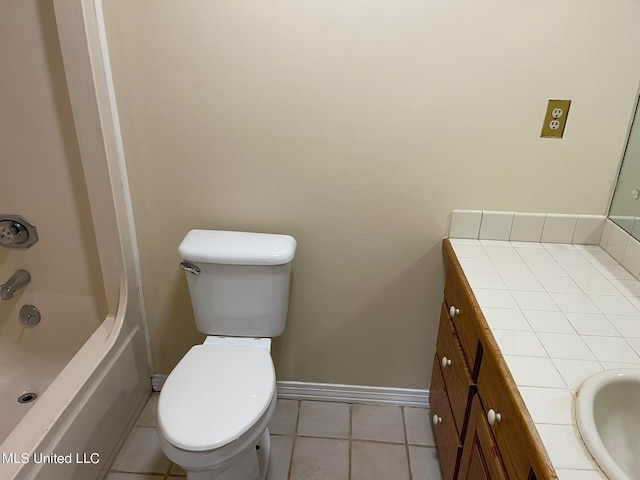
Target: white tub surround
[559, 313]
[87, 409]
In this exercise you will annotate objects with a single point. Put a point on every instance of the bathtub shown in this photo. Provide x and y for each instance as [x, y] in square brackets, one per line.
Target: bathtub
[91, 376]
[84, 412]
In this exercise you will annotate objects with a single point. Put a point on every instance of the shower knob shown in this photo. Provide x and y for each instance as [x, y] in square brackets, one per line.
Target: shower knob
[12, 233]
[17, 232]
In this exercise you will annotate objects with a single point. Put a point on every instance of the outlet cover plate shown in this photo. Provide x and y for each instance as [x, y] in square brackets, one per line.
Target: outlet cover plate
[555, 119]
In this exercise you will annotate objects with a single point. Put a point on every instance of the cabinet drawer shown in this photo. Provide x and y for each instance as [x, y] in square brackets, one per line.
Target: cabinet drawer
[444, 429]
[463, 316]
[508, 430]
[456, 375]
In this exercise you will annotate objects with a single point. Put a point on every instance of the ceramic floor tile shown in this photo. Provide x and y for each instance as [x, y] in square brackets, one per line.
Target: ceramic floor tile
[285, 417]
[280, 458]
[141, 453]
[134, 476]
[419, 427]
[379, 461]
[424, 463]
[323, 419]
[148, 417]
[377, 422]
[320, 459]
[177, 470]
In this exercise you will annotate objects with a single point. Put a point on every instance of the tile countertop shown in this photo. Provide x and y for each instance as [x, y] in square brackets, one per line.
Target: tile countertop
[559, 313]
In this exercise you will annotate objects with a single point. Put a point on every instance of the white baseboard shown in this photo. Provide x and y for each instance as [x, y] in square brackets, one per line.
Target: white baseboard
[329, 392]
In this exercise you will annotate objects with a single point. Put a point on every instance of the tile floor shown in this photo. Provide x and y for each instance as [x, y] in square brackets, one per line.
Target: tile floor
[311, 440]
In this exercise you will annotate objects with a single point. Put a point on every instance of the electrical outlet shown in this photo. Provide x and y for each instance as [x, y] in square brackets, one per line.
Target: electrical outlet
[555, 118]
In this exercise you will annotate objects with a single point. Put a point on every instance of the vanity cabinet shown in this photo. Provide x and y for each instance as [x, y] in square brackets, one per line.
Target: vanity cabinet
[481, 426]
[481, 459]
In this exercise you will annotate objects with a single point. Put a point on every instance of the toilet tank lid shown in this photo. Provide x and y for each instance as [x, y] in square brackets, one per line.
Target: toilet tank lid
[237, 248]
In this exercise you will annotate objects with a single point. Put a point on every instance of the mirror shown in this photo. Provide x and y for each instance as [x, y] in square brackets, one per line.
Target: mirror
[625, 206]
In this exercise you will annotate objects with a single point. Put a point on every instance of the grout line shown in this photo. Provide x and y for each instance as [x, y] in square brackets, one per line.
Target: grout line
[293, 443]
[350, 438]
[295, 436]
[406, 442]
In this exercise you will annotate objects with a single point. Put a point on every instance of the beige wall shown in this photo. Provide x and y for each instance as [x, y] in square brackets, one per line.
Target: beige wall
[356, 126]
[41, 178]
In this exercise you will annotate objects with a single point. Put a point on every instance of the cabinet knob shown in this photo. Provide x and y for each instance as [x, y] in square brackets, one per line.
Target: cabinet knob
[493, 417]
[436, 419]
[453, 311]
[445, 362]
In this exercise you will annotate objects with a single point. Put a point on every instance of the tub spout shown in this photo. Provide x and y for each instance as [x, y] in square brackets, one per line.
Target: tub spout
[15, 283]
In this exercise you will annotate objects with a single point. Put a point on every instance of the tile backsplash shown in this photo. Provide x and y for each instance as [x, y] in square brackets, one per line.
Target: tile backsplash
[549, 228]
[526, 227]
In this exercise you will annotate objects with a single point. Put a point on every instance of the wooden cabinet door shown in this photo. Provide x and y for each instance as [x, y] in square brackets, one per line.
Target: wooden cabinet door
[444, 428]
[480, 456]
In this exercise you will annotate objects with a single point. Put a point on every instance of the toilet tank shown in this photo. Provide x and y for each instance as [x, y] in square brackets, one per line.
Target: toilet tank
[238, 281]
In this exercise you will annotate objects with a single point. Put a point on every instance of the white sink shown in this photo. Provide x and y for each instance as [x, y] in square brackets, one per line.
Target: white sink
[607, 411]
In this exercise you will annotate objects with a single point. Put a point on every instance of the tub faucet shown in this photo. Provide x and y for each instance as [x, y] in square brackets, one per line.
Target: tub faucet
[15, 283]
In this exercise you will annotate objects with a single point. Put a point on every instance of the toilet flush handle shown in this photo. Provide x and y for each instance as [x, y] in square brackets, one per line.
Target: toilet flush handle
[190, 267]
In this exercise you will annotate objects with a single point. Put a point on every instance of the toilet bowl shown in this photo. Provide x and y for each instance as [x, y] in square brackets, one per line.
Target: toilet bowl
[214, 409]
[215, 406]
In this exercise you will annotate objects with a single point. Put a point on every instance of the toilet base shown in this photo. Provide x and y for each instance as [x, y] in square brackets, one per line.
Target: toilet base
[252, 466]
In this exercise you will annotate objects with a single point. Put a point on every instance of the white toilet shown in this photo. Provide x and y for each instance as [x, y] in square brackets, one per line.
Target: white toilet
[215, 405]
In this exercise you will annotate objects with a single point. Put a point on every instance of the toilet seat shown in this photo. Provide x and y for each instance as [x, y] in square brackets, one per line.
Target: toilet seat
[214, 395]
